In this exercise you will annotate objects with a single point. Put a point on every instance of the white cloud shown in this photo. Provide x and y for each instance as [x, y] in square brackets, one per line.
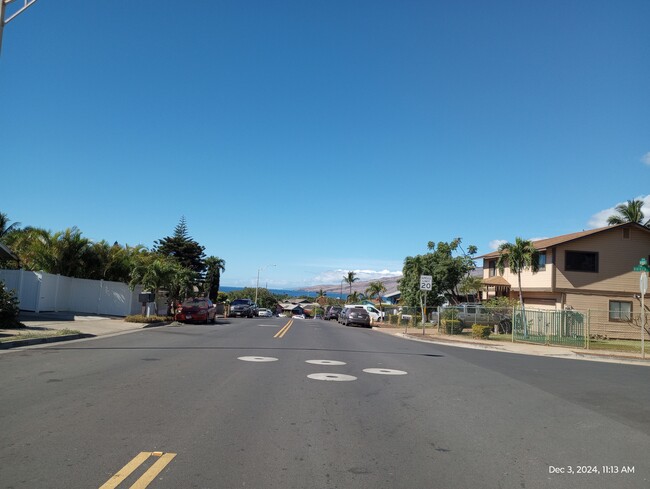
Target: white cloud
[646, 158]
[599, 219]
[335, 276]
[495, 243]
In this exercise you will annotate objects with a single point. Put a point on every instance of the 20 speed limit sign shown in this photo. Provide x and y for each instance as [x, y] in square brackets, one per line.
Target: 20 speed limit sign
[426, 282]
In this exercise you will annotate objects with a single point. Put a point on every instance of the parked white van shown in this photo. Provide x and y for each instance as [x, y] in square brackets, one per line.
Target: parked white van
[374, 313]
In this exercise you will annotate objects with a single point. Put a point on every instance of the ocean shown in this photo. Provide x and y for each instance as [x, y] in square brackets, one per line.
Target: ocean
[290, 293]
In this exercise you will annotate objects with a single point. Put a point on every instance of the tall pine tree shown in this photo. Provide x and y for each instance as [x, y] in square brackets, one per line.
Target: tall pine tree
[183, 248]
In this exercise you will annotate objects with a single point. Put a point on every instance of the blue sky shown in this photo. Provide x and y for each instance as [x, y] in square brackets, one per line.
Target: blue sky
[320, 136]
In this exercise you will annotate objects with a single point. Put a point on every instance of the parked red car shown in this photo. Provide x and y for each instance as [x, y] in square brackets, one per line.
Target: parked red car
[197, 310]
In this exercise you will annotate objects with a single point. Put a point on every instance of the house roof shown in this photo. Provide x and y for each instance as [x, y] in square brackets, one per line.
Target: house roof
[496, 280]
[543, 244]
[6, 253]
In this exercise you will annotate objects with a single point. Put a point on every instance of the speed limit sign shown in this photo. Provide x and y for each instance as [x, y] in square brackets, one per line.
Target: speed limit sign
[426, 282]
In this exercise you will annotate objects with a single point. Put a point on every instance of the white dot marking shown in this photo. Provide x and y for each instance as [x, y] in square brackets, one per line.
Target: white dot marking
[384, 371]
[257, 359]
[325, 362]
[332, 377]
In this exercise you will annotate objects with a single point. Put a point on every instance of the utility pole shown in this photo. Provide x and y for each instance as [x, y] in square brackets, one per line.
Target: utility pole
[4, 20]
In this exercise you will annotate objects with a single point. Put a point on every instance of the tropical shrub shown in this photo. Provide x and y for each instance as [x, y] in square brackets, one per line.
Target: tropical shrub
[9, 307]
[452, 326]
[481, 331]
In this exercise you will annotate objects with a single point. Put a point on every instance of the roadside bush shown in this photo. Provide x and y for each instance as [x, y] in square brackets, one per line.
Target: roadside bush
[452, 326]
[481, 331]
[9, 307]
[393, 319]
[139, 318]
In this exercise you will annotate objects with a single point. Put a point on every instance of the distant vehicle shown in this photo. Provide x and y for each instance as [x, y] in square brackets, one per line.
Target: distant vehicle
[332, 312]
[197, 310]
[299, 316]
[243, 308]
[374, 313]
[318, 316]
[264, 313]
[355, 315]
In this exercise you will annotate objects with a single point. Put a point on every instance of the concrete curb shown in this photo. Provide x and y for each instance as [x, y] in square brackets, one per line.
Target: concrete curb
[570, 354]
[38, 341]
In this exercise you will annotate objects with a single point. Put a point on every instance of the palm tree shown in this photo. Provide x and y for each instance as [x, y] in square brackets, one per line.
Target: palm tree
[5, 227]
[350, 278]
[353, 298]
[628, 212]
[215, 267]
[375, 289]
[520, 256]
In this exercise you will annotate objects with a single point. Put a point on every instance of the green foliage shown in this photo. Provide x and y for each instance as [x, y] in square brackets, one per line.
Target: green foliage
[222, 297]
[631, 211]
[155, 272]
[481, 331]
[265, 298]
[349, 279]
[183, 248]
[9, 307]
[452, 326]
[393, 319]
[215, 267]
[500, 303]
[139, 318]
[447, 263]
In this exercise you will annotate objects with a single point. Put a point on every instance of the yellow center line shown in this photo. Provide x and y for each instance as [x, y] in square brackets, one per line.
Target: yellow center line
[284, 329]
[147, 477]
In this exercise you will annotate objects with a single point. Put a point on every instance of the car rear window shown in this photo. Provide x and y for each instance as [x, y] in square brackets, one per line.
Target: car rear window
[240, 301]
[195, 303]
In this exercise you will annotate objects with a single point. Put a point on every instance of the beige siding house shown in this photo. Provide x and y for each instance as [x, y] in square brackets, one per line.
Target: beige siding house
[590, 270]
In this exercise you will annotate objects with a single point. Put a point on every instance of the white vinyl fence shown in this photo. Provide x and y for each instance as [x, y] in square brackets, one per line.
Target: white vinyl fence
[40, 292]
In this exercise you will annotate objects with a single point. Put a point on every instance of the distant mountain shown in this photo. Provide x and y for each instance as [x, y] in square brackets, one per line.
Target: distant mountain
[390, 283]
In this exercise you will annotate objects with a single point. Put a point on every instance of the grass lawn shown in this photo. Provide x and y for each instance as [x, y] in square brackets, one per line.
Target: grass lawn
[28, 335]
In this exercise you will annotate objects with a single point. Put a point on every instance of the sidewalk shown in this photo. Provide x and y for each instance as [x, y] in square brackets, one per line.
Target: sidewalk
[88, 325]
[518, 348]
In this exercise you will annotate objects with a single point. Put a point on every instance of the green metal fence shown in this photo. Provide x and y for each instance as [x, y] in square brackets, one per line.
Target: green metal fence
[567, 328]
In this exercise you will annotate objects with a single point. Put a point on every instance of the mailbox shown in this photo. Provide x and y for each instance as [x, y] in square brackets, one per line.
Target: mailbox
[146, 297]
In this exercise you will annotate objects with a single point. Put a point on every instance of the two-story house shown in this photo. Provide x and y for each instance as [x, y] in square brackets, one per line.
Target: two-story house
[590, 270]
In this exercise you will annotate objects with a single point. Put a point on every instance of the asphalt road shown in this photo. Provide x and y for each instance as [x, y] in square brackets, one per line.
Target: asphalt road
[73, 415]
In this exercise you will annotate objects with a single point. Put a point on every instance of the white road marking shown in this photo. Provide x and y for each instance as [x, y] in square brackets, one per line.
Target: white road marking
[257, 359]
[384, 371]
[332, 377]
[325, 362]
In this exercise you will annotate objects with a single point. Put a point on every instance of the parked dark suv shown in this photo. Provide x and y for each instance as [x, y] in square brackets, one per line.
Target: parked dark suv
[332, 312]
[354, 315]
[242, 307]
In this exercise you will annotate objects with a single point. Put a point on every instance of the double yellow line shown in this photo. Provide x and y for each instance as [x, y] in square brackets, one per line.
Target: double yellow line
[146, 478]
[284, 329]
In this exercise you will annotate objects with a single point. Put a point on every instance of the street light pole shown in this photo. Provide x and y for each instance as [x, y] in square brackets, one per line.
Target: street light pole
[258, 277]
[3, 21]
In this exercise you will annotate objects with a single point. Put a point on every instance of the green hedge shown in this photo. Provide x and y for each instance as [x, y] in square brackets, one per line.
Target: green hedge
[481, 331]
[452, 326]
[139, 318]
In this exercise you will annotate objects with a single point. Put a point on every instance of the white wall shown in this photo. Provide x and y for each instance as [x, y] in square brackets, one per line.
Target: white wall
[40, 291]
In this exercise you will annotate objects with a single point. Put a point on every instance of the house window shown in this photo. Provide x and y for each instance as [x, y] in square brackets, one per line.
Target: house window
[626, 233]
[620, 311]
[542, 261]
[581, 261]
[492, 265]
